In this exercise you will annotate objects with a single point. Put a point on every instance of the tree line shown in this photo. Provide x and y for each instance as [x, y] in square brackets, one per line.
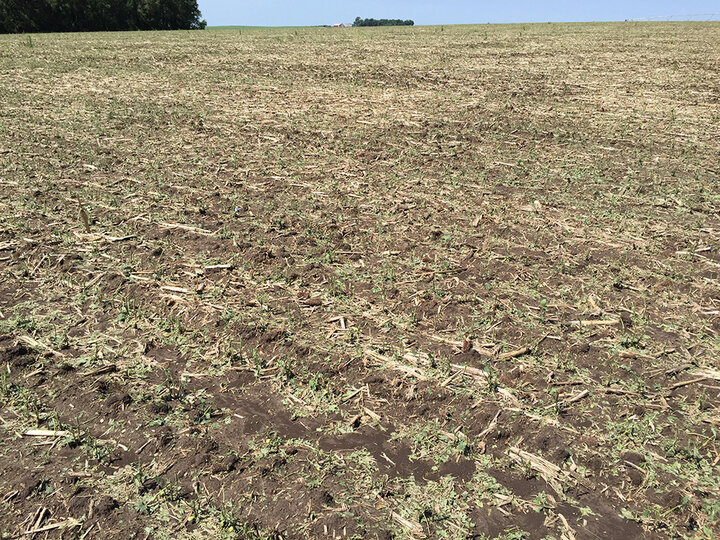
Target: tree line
[18, 16]
[382, 22]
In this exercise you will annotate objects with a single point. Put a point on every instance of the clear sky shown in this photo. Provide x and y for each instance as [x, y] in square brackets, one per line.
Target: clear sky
[314, 12]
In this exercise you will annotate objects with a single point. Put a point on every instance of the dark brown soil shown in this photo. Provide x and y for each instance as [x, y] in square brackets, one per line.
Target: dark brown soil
[426, 283]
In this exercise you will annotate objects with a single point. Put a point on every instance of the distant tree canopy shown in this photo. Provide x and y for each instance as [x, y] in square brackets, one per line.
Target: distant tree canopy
[18, 16]
[382, 22]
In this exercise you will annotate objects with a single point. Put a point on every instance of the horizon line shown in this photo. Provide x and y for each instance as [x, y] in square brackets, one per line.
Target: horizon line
[711, 17]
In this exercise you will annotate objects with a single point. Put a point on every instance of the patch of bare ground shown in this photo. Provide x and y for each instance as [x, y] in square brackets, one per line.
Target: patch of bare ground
[453, 282]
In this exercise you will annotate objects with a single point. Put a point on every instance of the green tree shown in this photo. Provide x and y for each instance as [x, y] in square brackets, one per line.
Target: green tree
[89, 15]
[382, 22]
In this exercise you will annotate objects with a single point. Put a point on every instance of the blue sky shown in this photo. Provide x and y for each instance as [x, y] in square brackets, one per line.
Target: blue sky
[312, 12]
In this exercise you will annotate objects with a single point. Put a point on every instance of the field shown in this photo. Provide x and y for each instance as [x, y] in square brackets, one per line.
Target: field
[433, 282]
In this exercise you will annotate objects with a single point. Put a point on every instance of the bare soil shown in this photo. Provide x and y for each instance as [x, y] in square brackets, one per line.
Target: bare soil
[457, 282]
